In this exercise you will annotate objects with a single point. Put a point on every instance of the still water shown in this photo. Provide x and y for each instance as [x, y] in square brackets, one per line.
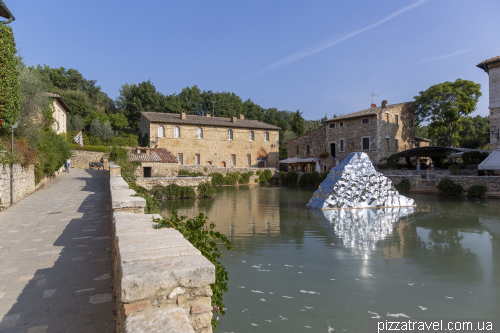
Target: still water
[294, 269]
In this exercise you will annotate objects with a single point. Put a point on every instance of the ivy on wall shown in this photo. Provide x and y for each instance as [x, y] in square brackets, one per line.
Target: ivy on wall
[10, 98]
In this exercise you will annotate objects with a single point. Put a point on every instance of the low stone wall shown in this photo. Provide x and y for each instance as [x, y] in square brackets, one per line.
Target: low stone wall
[151, 182]
[491, 182]
[208, 169]
[418, 183]
[424, 174]
[162, 282]
[81, 159]
[24, 183]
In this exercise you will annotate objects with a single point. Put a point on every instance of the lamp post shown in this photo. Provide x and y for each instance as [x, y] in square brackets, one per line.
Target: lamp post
[12, 166]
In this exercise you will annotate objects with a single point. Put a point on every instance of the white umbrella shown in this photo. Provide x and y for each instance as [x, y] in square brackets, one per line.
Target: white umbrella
[318, 170]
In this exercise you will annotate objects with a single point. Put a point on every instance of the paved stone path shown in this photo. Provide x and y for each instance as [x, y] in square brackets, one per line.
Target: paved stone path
[55, 251]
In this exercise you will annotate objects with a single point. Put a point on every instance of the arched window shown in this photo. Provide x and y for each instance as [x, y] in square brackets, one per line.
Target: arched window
[251, 136]
[177, 132]
[266, 136]
[161, 131]
[199, 133]
[230, 134]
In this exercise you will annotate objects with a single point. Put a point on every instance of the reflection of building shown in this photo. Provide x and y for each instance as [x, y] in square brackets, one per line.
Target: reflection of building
[492, 67]
[378, 131]
[60, 113]
[224, 142]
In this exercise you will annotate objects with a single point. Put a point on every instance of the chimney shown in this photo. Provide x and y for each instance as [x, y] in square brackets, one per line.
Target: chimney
[384, 104]
[242, 116]
[233, 118]
[374, 105]
[183, 115]
[207, 115]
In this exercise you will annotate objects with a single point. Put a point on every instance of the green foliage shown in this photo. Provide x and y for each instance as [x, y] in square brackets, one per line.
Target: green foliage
[298, 124]
[78, 102]
[283, 177]
[322, 176]
[244, 178]
[258, 173]
[473, 157]
[217, 178]
[10, 98]
[477, 190]
[53, 151]
[306, 179]
[75, 123]
[206, 190]
[102, 130]
[447, 186]
[118, 121]
[190, 174]
[444, 105]
[172, 191]
[117, 153]
[453, 169]
[230, 180]
[403, 186]
[250, 173]
[101, 149]
[268, 174]
[202, 236]
[475, 132]
[262, 179]
[392, 161]
[291, 177]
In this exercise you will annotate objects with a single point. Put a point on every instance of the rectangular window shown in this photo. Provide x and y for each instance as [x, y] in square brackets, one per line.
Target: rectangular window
[249, 159]
[387, 117]
[324, 168]
[341, 145]
[179, 157]
[197, 159]
[396, 119]
[366, 143]
[233, 159]
[332, 125]
[297, 149]
[308, 149]
[341, 124]
[396, 145]
[366, 121]
[411, 144]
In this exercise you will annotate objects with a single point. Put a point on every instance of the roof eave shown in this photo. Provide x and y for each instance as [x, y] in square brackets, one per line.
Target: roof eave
[9, 17]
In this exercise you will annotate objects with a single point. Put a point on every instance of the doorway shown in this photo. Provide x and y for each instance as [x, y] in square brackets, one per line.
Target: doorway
[147, 172]
[261, 162]
[332, 149]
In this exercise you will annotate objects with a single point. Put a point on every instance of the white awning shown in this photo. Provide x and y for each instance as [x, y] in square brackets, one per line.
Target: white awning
[491, 162]
[299, 160]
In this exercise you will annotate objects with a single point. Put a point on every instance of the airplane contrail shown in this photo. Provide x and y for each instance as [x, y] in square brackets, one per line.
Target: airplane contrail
[445, 56]
[327, 43]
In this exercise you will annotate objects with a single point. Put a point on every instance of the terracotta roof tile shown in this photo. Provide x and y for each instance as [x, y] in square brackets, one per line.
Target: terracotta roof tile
[484, 64]
[160, 155]
[366, 112]
[202, 120]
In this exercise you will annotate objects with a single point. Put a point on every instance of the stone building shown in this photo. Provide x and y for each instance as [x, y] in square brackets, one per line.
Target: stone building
[492, 67]
[377, 131]
[205, 140]
[154, 162]
[60, 113]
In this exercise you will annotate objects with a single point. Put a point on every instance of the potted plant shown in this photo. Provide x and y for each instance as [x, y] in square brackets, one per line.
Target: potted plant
[323, 155]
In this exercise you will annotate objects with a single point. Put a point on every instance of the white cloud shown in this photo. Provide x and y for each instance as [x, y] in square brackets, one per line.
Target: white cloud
[445, 56]
[330, 42]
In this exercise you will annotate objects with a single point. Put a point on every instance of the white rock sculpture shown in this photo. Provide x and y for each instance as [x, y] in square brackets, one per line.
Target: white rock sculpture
[355, 183]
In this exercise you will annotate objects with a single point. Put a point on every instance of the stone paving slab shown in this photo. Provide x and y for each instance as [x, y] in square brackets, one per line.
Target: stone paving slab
[55, 258]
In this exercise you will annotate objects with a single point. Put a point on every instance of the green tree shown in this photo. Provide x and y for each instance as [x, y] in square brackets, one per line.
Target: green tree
[444, 105]
[101, 130]
[475, 132]
[298, 126]
[9, 85]
[118, 121]
[78, 101]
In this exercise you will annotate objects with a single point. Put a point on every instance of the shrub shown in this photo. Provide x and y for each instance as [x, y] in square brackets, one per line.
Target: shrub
[256, 180]
[201, 234]
[392, 161]
[205, 169]
[183, 173]
[473, 157]
[102, 130]
[10, 96]
[117, 153]
[447, 186]
[292, 177]
[53, 151]
[453, 169]
[250, 173]
[268, 174]
[324, 155]
[321, 177]
[101, 149]
[262, 179]
[244, 178]
[258, 172]
[206, 190]
[230, 180]
[283, 177]
[477, 190]
[403, 186]
[217, 178]
[306, 179]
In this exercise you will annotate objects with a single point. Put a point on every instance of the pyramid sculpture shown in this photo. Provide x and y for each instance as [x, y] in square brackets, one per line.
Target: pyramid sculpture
[355, 183]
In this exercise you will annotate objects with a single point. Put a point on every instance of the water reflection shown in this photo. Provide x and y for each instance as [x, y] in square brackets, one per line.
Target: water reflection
[361, 229]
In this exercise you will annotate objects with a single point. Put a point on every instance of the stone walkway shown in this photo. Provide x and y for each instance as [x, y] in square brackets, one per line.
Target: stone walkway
[55, 250]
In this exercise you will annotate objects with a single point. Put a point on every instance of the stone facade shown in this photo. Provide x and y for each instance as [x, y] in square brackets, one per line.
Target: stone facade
[161, 281]
[378, 132]
[24, 183]
[60, 113]
[157, 169]
[229, 142]
[492, 67]
[149, 183]
[82, 158]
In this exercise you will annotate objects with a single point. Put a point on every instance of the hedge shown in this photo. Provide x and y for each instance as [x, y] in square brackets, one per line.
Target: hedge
[101, 149]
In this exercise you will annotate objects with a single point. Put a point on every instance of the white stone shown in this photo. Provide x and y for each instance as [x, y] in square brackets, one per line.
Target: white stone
[168, 320]
[355, 183]
[100, 298]
[176, 291]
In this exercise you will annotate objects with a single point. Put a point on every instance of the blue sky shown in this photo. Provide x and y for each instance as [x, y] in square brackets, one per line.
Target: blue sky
[321, 57]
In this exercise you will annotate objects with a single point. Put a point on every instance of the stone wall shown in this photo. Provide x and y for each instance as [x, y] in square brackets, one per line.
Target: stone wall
[82, 158]
[389, 130]
[162, 282]
[208, 169]
[151, 182]
[214, 148]
[494, 89]
[24, 183]
[158, 169]
[425, 174]
[491, 182]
